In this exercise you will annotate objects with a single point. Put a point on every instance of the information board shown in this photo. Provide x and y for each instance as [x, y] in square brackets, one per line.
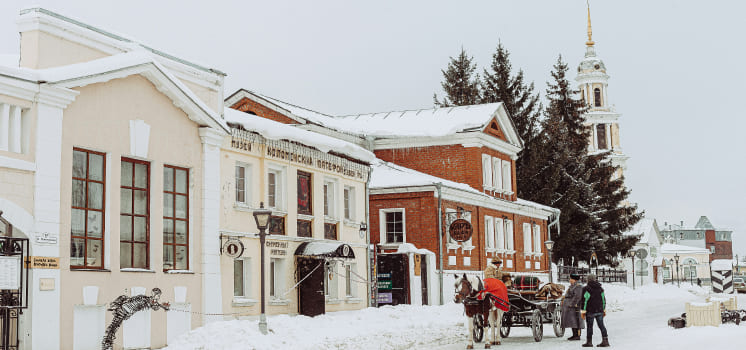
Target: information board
[9, 272]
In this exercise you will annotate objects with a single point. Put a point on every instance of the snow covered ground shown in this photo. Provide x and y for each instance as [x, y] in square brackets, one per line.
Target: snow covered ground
[636, 319]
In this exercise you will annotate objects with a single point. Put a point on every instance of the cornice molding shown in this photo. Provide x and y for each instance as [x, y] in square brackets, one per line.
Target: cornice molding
[467, 139]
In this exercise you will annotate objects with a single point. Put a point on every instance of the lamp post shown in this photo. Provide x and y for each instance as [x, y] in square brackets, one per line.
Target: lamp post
[676, 261]
[363, 233]
[631, 254]
[549, 244]
[261, 216]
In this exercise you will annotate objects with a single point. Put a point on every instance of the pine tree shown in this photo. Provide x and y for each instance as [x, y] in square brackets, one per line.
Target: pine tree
[460, 85]
[500, 85]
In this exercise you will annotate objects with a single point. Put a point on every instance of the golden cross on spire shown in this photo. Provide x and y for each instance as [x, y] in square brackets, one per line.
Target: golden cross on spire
[590, 32]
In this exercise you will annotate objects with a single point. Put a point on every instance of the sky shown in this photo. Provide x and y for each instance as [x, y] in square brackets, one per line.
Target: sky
[677, 68]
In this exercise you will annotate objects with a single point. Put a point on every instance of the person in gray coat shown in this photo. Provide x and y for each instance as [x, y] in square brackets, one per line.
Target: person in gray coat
[571, 307]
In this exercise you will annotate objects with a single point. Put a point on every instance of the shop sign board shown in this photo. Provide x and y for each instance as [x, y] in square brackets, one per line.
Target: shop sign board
[460, 230]
[45, 262]
[385, 284]
[10, 277]
[385, 298]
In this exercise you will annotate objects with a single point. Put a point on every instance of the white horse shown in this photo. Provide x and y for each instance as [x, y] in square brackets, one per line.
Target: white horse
[466, 289]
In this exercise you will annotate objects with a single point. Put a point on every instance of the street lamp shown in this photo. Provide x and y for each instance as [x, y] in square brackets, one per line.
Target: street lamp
[261, 216]
[549, 244]
[678, 278]
[631, 254]
[363, 233]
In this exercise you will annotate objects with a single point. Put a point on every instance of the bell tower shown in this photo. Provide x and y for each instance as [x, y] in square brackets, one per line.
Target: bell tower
[601, 117]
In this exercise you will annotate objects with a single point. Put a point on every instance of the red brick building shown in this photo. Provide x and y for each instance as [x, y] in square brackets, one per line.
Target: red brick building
[437, 165]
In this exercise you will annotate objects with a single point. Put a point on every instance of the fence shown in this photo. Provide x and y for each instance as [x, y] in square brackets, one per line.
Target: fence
[604, 275]
[703, 314]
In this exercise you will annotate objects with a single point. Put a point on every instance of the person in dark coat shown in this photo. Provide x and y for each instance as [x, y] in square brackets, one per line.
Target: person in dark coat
[594, 309]
[571, 307]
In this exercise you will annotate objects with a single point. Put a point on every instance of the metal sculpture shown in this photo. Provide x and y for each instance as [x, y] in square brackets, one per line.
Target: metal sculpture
[124, 307]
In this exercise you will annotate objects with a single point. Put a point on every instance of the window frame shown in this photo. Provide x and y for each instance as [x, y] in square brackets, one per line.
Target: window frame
[280, 188]
[601, 136]
[348, 203]
[489, 233]
[132, 214]
[507, 176]
[174, 218]
[487, 171]
[500, 240]
[303, 210]
[85, 209]
[248, 181]
[527, 238]
[537, 238]
[597, 102]
[509, 233]
[330, 199]
[383, 224]
[245, 278]
[497, 174]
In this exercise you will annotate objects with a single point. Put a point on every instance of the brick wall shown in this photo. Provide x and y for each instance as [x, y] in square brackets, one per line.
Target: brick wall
[248, 105]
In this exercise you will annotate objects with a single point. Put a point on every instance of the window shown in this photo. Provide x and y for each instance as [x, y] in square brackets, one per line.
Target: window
[393, 225]
[331, 280]
[712, 249]
[304, 193]
[497, 175]
[330, 231]
[276, 225]
[304, 228]
[14, 128]
[537, 239]
[500, 233]
[134, 218]
[526, 238]
[349, 283]
[242, 278]
[276, 276]
[489, 232]
[509, 234]
[597, 97]
[275, 188]
[349, 203]
[87, 221]
[601, 136]
[243, 184]
[330, 190]
[486, 171]
[507, 177]
[175, 218]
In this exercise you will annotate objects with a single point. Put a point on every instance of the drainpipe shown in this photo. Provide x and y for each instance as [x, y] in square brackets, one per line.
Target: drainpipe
[440, 240]
[369, 293]
[556, 222]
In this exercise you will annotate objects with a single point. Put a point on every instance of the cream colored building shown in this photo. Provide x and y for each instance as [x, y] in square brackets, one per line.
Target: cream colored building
[693, 263]
[315, 186]
[109, 165]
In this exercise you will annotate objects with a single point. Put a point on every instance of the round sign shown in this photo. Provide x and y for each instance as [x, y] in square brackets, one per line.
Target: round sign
[460, 230]
[233, 248]
[642, 253]
[345, 250]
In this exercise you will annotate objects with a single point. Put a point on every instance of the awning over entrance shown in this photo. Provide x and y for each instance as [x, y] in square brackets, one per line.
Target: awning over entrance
[325, 249]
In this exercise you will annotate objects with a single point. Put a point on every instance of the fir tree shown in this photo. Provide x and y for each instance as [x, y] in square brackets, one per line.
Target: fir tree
[460, 85]
[500, 85]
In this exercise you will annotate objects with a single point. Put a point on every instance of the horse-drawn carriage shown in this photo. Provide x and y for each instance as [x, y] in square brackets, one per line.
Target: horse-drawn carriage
[530, 307]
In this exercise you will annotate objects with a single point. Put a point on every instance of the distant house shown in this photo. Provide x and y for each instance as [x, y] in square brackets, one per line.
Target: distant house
[648, 269]
[702, 235]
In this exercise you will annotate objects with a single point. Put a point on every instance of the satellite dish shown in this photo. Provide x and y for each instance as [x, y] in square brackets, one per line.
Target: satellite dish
[642, 253]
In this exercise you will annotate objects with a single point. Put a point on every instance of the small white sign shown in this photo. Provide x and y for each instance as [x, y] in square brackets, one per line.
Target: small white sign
[9, 272]
[46, 238]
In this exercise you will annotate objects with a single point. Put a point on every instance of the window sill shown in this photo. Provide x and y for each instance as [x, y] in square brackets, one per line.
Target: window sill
[333, 301]
[239, 302]
[278, 212]
[132, 269]
[305, 217]
[353, 300]
[351, 223]
[88, 269]
[330, 220]
[176, 272]
[491, 250]
[279, 302]
[468, 248]
[243, 207]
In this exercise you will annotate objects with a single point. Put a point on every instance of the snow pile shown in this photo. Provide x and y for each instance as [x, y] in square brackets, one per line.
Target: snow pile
[721, 265]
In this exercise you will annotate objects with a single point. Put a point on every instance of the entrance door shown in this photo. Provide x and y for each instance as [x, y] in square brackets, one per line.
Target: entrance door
[423, 276]
[393, 279]
[311, 301]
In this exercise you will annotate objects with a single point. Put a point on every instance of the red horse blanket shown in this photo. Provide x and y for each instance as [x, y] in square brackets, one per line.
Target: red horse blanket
[498, 291]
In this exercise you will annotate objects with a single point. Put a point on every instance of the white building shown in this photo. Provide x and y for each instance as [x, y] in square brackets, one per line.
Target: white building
[648, 269]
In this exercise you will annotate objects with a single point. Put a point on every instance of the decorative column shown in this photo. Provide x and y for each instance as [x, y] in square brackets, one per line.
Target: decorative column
[45, 240]
[210, 256]
[4, 126]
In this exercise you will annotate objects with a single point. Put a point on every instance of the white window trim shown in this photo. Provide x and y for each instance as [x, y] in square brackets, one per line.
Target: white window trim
[246, 299]
[507, 177]
[499, 235]
[510, 244]
[489, 233]
[248, 181]
[537, 240]
[497, 175]
[527, 237]
[280, 187]
[333, 200]
[382, 225]
[487, 172]
[353, 207]
[279, 280]
[333, 283]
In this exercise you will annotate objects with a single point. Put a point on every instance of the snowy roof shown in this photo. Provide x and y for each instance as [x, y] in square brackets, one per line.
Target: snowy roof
[704, 223]
[327, 249]
[645, 228]
[119, 66]
[669, 248]
[722, 264]
[278, 131]
[389, 175]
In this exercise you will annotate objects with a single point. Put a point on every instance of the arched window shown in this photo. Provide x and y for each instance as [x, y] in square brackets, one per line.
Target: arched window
[597, 97]
[601, 136]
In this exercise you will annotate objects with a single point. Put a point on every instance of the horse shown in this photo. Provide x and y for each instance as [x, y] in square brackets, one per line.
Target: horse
[467, 290]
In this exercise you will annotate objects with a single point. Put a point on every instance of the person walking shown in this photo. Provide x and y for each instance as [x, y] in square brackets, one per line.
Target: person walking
[571, 307]
[594, 309]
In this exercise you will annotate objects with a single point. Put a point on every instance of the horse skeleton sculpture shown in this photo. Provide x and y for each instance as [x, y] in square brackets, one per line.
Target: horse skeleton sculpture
[467, 291]
[124, 307]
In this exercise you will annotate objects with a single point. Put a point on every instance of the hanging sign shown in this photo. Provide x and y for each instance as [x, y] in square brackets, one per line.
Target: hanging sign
[460, 230]
[233, 248]
[45, 262]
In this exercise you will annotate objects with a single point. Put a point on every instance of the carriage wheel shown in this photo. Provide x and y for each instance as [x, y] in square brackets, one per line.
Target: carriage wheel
[478, 332]
[537, 327]
[505, 326]
[559, 331]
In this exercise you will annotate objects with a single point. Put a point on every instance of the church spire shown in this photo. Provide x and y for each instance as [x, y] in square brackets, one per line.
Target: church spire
[590, 32]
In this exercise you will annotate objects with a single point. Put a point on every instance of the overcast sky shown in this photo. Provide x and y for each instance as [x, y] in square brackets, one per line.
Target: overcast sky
[677, 69]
